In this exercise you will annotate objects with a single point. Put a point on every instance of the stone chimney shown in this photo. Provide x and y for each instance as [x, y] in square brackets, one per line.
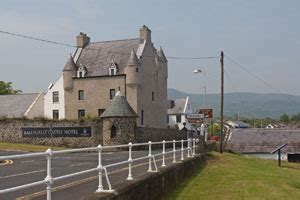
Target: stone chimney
[145, 33]
[82, 40]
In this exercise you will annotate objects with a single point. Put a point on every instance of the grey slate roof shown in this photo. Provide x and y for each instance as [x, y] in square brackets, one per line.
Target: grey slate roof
[178, 107]
[97, 57]
[119, 107]
[264, 140]
[16, 105]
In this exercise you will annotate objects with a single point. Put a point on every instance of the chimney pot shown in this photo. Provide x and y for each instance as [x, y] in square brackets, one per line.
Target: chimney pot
[82, 40]
[145, 33]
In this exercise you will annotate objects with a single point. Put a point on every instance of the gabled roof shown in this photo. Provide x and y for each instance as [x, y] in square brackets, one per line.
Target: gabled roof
[97, 57]
[16, 105]
[179, 105]
[119, 107]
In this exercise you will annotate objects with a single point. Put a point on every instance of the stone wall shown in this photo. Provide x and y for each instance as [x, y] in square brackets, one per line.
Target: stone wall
[145, 134]
[10, 131]
[125, 130]
[153, 186]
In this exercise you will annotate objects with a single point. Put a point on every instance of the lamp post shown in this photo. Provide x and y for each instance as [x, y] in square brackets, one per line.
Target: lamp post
[238, 110]
[197, 71]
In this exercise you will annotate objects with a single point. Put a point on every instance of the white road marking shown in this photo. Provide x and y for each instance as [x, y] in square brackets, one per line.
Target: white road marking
[27, 161]
[116, 158]
[14, 175]
[79, 164]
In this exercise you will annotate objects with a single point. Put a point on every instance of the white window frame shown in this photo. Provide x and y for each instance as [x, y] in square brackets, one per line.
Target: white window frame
[113, 69]
[81, 72]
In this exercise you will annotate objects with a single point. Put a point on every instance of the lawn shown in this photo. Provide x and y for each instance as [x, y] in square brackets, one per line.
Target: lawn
[230, 176]
[25, 147]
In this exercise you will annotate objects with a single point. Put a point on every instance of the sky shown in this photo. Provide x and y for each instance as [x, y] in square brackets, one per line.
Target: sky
[261, 35]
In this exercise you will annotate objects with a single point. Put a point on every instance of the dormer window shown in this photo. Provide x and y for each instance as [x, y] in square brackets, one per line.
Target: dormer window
[113, 69]
[81, 72]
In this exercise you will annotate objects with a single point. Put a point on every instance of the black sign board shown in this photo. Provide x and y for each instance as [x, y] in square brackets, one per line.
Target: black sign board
[56, 131]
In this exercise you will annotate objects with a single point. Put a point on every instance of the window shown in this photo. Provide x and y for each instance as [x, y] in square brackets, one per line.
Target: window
[136, 69]
[100, 111]
[81, 72]
[112, 93]
[113, 69]
[152, 96]
[178, 118]
[55, 97]
[113, 131]
[81, 113]
[168, 119]
[55, 114]
[80, 95]
[142, 117]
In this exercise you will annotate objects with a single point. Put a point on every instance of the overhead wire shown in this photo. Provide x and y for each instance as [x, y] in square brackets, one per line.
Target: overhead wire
[258, 78]
[89, 48]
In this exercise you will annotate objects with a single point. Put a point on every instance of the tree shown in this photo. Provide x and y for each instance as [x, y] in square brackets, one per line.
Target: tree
[284, 118]
[6, 88]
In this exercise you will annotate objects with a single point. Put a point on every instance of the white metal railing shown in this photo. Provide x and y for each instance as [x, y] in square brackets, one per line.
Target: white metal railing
[49, 180]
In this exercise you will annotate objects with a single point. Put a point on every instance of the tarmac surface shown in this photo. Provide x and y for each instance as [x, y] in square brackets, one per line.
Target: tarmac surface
[28, 170]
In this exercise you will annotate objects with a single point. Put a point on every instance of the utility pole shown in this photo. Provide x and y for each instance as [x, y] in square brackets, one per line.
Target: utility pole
[222, 100]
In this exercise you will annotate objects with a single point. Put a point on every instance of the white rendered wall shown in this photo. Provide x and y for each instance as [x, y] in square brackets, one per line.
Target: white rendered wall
[187, 109]
[49, 106]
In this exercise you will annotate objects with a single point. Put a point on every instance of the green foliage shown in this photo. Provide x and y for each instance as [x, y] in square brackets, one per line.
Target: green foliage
[284, 118]
[293, 119]
[6, 88]
[214, 129]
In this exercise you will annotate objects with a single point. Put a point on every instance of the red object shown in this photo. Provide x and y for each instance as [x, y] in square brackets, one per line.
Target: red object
[214, 138]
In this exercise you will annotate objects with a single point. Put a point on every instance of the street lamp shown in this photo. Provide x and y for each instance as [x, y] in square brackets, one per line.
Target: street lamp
[198, 71]
[238, 110]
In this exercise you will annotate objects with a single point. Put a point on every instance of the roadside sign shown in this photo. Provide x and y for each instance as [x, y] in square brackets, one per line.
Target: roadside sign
[56, 132]
[207, 113]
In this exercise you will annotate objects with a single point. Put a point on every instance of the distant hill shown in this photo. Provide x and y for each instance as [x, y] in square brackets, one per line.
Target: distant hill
[251, 104]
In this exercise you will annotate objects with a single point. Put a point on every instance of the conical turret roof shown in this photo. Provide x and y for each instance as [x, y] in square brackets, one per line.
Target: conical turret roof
[119, 107]
[161, 54]
[133, 60]
[70, 65]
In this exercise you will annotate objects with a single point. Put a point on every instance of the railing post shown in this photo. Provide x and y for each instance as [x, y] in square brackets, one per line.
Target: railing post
[174, 152]
[182, 158]
[49, 178]
[194, 147]
[163, 154]
[189, 148]
[149, 155]
[100, 168]
[130, 162]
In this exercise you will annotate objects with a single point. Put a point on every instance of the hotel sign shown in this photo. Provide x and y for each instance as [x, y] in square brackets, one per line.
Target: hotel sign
[56, 132]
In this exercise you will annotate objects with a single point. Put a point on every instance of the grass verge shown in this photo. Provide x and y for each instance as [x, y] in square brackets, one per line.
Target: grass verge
[25, 147]
[230, 176]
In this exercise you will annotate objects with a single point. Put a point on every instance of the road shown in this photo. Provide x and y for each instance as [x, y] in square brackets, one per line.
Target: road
[28, 170]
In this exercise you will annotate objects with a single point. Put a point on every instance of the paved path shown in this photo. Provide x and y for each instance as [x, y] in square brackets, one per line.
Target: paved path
[28, 170]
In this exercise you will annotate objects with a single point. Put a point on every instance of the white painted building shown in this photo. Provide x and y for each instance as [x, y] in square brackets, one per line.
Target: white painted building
[177, 110]
[54, 100]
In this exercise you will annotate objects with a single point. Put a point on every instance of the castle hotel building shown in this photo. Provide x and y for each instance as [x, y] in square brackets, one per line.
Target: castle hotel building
[97, 70]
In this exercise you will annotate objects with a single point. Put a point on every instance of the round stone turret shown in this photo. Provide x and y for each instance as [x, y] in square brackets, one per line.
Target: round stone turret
[68, 73]
[132, 70]
[119, 122]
